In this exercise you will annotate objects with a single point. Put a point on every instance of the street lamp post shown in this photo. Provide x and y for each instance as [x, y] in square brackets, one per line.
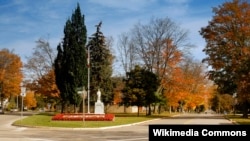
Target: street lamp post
[23, 94]
[88, 61]
[82, 93]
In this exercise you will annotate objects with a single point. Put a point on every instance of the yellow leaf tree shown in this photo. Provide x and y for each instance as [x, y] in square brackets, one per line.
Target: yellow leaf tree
[30, 100]
[228, 50]
[10, 74]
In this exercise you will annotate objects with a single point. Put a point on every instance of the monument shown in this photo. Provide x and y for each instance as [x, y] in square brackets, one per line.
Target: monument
[99, 106]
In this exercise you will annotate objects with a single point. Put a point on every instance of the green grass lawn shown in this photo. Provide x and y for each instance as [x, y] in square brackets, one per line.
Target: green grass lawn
[238, 119]
[44, 120]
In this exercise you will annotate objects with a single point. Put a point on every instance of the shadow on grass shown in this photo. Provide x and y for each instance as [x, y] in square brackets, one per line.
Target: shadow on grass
[163, 115]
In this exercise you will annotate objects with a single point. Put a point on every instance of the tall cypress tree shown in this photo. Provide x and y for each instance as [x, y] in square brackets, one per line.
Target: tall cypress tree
[71, 63]
[100, 66]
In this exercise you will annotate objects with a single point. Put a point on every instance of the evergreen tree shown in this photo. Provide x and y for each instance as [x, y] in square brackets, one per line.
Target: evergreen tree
[100, 67]
[150, 85]
[140, 88]
[71, 63]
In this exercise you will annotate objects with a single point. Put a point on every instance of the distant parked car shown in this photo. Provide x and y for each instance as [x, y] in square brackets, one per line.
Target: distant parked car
[209, 112]
[14, 110]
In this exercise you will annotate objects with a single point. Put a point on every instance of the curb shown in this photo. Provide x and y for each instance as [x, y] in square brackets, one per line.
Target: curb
[110, 127]
[234, 122]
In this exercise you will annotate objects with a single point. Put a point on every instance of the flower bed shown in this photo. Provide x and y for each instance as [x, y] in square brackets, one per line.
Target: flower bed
[87, 117]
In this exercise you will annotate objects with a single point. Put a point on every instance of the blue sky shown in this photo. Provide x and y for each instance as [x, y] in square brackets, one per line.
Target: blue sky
[25, 21]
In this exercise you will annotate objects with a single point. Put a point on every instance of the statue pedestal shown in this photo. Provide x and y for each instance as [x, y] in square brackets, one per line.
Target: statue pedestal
[99, 107]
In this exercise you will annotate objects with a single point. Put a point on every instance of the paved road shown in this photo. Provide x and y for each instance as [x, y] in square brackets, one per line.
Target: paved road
[135, 132]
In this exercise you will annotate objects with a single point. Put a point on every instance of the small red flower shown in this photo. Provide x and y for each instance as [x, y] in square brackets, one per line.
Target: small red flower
[87, 117]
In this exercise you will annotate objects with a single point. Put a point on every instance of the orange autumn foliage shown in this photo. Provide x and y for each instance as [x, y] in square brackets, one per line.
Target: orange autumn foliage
[47, 86]
[30, 100]
[186, 83]
[10, 74]
[118, 90]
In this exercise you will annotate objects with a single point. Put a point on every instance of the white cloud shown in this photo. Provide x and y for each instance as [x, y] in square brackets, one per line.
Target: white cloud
[23, 48]
[23, 22]
[177, 1]
[133, 5]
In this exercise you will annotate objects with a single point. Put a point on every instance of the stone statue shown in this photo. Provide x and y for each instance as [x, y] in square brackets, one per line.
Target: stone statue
[99, 106]
[98, 95]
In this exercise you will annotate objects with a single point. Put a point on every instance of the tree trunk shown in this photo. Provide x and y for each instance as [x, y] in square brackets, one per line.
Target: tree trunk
[159, 109]
[62, 108]
[138, 111]
[75, 111]
[125, 108]
[170, 109]
[245, 109]
[149, 109]
[154, 108]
